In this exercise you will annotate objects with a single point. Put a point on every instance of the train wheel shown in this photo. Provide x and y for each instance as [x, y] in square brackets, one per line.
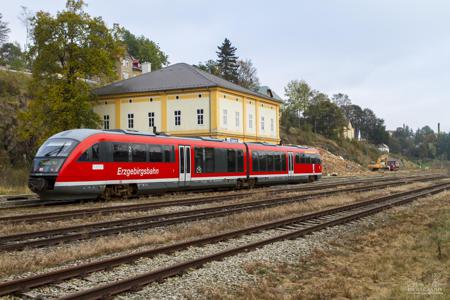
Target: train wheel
[107, 193]
[310, 178]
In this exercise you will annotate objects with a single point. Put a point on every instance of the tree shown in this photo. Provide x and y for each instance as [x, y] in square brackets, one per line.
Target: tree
[247, 74]
[325, 118]
[341, 100]
[209, 66]
[144, 49]
[227, 61]
[299, 95]
[67, 49]
[355, 115]
[13, 98]
[11, 55]
[4, 30]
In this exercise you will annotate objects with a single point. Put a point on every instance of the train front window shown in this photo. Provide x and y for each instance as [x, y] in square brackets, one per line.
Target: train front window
[56, 148]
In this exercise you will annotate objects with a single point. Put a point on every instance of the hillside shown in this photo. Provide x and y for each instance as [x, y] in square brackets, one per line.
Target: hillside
[339, 158]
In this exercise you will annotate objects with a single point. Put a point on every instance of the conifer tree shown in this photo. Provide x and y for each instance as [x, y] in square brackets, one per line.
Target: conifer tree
[227, 61]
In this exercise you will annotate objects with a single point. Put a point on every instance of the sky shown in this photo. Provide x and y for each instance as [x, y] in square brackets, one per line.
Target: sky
[390, 56]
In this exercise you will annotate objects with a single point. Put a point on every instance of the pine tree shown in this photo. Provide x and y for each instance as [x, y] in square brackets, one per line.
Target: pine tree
[227, 61]
[4, 30]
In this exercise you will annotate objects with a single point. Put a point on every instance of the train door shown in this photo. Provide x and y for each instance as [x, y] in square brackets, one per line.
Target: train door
[184, 153]
[290, 165]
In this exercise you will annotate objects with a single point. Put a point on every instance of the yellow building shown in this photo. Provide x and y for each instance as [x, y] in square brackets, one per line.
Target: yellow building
[349, 131]
[182, 100]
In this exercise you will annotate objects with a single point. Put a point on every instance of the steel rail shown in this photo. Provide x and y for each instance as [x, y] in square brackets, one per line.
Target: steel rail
[138, 282]
[25, 284]
[81, 232]
[62, 215]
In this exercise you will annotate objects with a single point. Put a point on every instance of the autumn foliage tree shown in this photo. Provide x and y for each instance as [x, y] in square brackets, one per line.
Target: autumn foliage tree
[66, 50]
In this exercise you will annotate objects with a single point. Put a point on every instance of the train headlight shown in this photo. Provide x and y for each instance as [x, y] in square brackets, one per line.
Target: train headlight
[47, 165]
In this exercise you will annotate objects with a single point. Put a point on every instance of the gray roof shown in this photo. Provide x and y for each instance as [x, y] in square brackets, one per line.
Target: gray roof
[174, 77]
[264, 89]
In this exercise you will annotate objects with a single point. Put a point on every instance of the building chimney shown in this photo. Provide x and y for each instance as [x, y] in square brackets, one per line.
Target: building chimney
[146, 67]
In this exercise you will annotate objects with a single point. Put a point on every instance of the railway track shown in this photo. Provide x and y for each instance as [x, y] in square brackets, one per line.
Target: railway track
[82, 213]
[289, 228]
[88, 231]
[32, 200]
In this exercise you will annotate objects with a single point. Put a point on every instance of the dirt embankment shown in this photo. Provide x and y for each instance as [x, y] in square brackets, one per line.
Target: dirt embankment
[337, 165]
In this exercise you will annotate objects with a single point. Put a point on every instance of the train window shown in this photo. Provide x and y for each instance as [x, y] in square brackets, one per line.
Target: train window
[303, 158]
[240, 160]
[96, 152]
[220, 160]
[283, 161]
[209, 160]
[181, 153]
[188, 160]
[138, 152]
[255, 161]
[270, 165]
[297, 158]
[231, 160]
[156, 154]
[120, 152]
[169, 153]
[85, 156]
[277, 161]
[262, 161]
[198, 159]
[307, 159]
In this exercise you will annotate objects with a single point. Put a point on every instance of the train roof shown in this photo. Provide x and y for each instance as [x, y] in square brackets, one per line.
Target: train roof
[82, 134]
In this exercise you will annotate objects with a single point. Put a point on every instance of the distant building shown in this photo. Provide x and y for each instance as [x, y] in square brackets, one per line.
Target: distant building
[128, 67]
[383, 148]
[185, 101]
[349, 131]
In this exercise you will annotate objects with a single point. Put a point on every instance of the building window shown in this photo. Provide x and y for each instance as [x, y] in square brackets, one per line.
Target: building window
[225, 117]
[262, 123]
[200, 116]
[177, 117]
[272, 125]
[151, 119]
[106, 122]
[250, 121]
[130, 121]
[238, 121]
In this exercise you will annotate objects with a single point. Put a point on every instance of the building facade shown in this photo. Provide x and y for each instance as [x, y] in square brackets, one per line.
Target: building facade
[182, 100]
[128, 67]
[349, 131]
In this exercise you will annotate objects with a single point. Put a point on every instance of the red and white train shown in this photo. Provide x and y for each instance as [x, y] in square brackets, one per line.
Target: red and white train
[88, 163]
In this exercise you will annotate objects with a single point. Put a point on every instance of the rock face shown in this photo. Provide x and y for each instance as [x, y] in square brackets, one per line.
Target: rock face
[336, 165]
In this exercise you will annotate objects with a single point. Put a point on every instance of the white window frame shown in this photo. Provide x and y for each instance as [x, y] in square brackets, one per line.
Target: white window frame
[238, 119]
[177, 114]
[250, 121]
[151, 119]
[262, 123]
[225, 117]
[272, 125]
[200, 116]
[105, 121]
[131, 121]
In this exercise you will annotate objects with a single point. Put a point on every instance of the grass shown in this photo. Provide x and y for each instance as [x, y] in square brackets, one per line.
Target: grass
[406, 255]
[13, 181]
[36, 259]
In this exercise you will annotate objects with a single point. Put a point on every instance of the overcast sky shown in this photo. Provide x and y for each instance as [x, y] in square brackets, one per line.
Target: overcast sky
[390, 56]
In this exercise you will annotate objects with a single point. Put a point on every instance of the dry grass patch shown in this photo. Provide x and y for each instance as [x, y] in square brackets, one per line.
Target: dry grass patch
[406, 255]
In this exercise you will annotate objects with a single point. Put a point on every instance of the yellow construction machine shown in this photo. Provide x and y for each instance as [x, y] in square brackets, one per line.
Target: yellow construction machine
[384, 163]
